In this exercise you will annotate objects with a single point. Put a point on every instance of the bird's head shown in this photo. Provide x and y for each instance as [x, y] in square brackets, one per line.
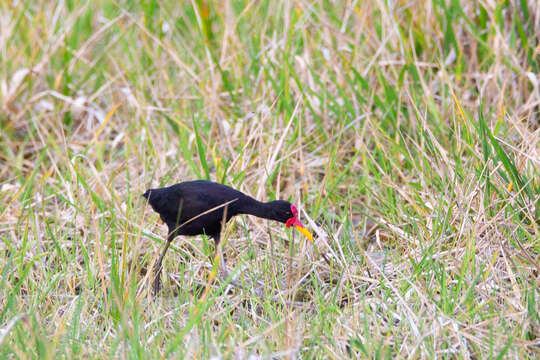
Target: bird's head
[285, 212]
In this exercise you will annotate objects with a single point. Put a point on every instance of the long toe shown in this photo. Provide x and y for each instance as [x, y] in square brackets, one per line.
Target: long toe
[156, 286]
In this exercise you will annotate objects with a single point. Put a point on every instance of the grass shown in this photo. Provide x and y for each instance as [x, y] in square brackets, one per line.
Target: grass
[407, 132]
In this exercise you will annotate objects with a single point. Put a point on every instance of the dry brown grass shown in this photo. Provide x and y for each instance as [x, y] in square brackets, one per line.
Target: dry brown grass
[407, 132]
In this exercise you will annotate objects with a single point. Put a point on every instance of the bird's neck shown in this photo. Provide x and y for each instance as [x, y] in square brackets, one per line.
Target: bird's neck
[256, 208]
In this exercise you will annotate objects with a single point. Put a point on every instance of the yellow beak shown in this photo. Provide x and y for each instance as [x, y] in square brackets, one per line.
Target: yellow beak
[304, 232]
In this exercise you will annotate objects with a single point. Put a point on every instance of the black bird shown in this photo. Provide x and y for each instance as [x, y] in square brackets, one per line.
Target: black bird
[199, 207]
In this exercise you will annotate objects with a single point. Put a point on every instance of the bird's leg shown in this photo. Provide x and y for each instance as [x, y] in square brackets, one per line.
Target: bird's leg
[158, 266]
[219, 255]
[222, 266]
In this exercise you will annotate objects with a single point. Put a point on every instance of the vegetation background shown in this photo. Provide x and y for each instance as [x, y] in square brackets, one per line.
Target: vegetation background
[406, 131]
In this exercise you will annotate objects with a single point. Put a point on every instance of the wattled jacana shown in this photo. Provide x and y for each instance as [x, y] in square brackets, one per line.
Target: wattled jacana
[199, 207]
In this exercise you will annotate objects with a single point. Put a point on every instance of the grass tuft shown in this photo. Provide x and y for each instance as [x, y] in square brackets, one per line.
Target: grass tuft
[408, 134]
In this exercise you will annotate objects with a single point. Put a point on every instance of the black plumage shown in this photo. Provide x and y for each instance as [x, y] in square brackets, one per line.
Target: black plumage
[199, 207]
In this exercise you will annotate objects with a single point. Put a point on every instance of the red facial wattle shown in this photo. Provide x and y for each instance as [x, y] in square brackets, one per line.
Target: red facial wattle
[293, 221]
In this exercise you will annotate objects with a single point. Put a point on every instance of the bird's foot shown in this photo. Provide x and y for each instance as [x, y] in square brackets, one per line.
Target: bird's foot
[156, 286]
[223, 272]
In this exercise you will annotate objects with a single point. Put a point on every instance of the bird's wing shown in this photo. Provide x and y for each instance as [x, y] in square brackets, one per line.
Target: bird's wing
[193, 199]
